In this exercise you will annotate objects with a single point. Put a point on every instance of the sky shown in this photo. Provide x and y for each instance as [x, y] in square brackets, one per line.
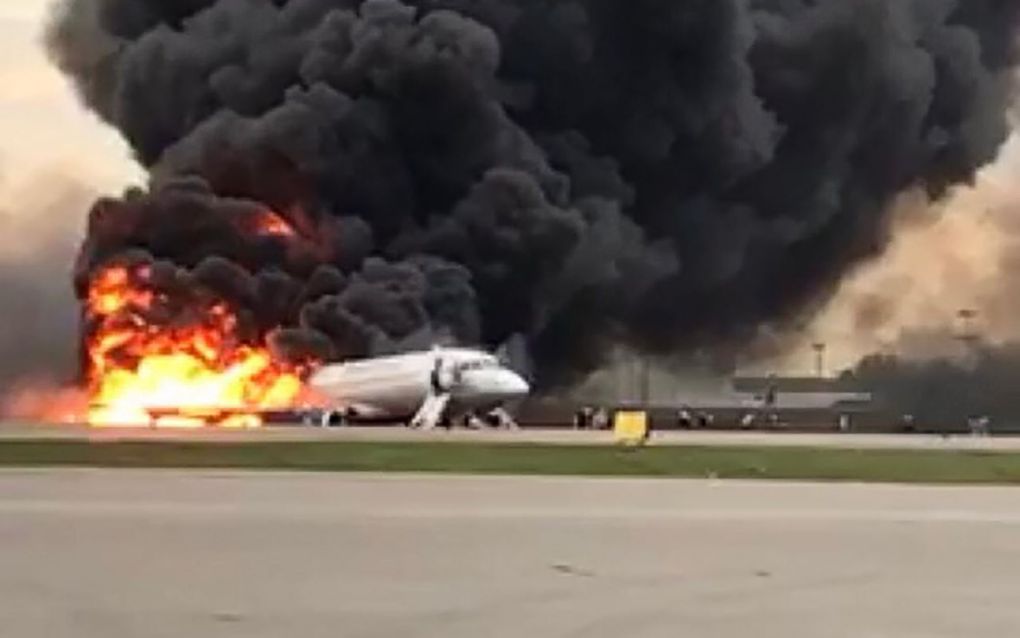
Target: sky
[42, 126]
[55, 158]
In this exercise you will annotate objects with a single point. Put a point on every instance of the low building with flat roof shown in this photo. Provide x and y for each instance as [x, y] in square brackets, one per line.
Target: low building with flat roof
[802, 393]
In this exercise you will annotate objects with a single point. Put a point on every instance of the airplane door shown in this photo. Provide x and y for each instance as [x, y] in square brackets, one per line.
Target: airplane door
[444, 376]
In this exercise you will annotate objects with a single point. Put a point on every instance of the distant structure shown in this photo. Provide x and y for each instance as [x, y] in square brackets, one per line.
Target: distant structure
[968, 333]
[819, 348]
[967, 317]
[801, 393]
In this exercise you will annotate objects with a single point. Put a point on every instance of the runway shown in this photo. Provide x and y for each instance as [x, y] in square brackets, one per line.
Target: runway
[111, 554]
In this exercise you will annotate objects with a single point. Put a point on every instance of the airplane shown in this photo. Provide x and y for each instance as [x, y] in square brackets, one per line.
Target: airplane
[429, 387]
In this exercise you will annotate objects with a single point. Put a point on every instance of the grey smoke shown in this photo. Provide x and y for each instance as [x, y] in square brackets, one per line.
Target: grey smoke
[38, 342]
[659, 174]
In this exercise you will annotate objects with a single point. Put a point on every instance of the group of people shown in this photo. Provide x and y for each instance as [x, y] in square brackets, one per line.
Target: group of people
[754, 419]
[980, 425]
[599, 418]
[591, 418]
[687, 420]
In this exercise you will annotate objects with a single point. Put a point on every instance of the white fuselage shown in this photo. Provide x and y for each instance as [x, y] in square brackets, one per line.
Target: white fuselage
[396, 386]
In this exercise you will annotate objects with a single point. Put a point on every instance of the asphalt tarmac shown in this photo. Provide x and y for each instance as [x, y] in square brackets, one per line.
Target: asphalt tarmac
[117, 554]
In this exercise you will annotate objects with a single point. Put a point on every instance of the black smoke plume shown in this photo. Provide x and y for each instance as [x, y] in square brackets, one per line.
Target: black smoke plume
[663, 174]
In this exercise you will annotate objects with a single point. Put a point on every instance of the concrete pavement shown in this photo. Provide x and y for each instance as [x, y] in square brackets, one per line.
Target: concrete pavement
[115, 554]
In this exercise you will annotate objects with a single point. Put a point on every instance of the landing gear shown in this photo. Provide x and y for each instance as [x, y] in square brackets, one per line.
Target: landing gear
[496, 419]
[503, 420]
[332, 419]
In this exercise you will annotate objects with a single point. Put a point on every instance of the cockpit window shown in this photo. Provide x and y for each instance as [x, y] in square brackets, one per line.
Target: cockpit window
[480, 364]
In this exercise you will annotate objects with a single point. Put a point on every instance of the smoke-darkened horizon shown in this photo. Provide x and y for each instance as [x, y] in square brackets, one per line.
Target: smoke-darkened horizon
[662, 175]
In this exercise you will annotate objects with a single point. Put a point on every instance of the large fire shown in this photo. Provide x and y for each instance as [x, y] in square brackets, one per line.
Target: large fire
[177, 374]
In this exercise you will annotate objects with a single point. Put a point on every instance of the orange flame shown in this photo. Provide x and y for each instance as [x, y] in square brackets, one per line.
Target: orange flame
[176, 375]
[109, 293]
[269, 223]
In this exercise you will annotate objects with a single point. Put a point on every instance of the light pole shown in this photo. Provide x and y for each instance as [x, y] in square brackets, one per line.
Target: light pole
[819, 348]
[644, 380]
[967, 319]
[968, 333]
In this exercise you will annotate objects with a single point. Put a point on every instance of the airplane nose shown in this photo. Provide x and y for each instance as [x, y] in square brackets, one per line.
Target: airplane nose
[515, 385]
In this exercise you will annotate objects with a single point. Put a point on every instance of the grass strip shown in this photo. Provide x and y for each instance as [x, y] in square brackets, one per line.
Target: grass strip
[792, 463]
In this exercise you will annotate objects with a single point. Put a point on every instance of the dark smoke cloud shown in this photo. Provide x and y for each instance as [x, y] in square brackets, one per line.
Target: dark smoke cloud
[578, 174]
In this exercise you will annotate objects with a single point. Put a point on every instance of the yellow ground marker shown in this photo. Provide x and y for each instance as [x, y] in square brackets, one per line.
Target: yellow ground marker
[630, 427]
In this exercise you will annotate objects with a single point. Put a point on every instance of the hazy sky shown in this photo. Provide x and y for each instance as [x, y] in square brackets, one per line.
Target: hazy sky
[42, 126]
[54, 159]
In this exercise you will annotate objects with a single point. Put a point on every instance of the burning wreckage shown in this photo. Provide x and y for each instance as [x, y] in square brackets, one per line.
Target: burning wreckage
[335, 179]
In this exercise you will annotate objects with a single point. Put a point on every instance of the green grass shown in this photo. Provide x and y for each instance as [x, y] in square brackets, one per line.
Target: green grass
[901, 466]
